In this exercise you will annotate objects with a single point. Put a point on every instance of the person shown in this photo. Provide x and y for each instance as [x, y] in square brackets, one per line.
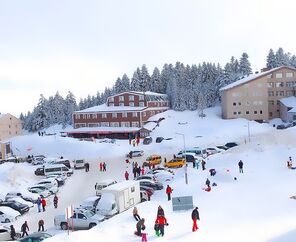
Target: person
[104, 166]
[12, 232]
[138, 140]
[195, 217]
[24, 229]
[55, 201]
[43, 203]
[212, 172]
[203, 164]
[96, 186]
[126, 175]
[86, 166]
[142, 170]
[169, 191]
[101, 166]
[240, 166]
[135, 214]
[134, 142]
[160, 211]
[38, 202]
[135, 171]
[289, 163]
[208, 189]
[127, 161]
[144, 237]
[130, 154]
[139, 171]
[208, 182]
[161, 222]
[140, 226]
[41, 225]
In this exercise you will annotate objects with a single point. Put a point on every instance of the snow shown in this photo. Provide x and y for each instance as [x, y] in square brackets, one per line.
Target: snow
[289, 101]
[9, 211]
[255, 207]
[121, 185]
[105, 108]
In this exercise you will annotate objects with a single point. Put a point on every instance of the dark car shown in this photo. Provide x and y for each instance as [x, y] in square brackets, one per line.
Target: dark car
[154, 185]
[149, 190]
[159, 139]
[189, 158]
[280, 126]
[231, 144]
[36, 237]
[222, 147]
[21, 208]
[147, 140]
[39, 171]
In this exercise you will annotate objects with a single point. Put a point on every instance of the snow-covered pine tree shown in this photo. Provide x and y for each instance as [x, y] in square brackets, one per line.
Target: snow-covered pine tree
[282, 59]
[154, 84]
[144, 79]
[271, 60]
[70, 108]
[125, 83]
[167, 74]
[136, 81]
[244, 65]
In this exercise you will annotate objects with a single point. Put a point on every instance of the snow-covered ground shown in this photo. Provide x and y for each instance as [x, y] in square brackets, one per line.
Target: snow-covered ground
[255, 207]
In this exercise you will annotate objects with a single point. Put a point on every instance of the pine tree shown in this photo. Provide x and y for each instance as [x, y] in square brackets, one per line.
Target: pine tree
[244, 65]
[271, 60]
[282, 59]
[125, 83]
[136, 81]
[154, 84]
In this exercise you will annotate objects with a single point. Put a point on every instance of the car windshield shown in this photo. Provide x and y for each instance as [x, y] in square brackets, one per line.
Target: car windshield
[17, 203]
[149, 158]
[79, 161]
[89, 213]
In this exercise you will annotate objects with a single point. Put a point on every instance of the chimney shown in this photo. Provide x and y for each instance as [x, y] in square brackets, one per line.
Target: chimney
[265, 69]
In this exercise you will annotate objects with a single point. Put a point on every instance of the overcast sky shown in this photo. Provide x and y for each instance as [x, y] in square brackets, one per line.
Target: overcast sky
[84, 45]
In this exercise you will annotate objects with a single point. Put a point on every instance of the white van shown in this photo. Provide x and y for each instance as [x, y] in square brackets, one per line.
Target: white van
[196, 150]
[57, 169]
[79, 164]
[102, 184]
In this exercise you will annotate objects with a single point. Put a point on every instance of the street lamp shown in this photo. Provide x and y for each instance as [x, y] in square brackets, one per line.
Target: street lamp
[249, 134]
[184, 152]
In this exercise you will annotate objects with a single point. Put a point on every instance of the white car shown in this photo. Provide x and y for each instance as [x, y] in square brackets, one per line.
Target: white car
[51, 189]
[48, 182]
[90, 203]
[213, 150]
[24, 195]
[5, 234]
[135, 153]
[21, 200]
[8, 215]
[41, 192]
[163, 176]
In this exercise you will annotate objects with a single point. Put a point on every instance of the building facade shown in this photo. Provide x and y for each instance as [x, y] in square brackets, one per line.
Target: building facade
[10, 126]
[257, 96]
[125, 112]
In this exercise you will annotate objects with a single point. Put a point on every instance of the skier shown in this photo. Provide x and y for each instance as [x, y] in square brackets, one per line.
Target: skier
[195, 216]
[55, 201]
[135, 214]
[104, 166]
[139, 170]
[169, 191]
[240, 166]
[43, 203]
[41, 225]
[142, 170]
[212, 172]
[12, 232]
[126, 175]
[38, 202]
[161, 222]
[140, 226]
[208, 182]
[203, 165]
[24, 229]
[135, 171]
[101, 166]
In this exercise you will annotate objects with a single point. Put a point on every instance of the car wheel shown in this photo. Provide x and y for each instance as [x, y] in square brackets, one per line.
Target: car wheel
[7, 220]
[64, 226]
[92, 225]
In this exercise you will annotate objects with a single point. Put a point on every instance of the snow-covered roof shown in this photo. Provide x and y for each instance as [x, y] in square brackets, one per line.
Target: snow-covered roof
[293, 110]
[104, 130]
[289, 101]
[149, 93]
[251, 78]
[121, 185]
[105, 108]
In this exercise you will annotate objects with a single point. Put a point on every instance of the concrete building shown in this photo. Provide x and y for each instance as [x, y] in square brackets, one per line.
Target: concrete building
[122, 114]
[257, 96]
[10, 126]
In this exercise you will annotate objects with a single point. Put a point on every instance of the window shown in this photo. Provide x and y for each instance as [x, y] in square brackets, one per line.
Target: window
[121, 98]
[255, 112]
[269, 76]
[121, 104]
[234, 113]
[81, 216]
[131, 97]
[289, 84]
[239, 113]
[141, 104]
[132, 189]
[234, 104]
[125, 124]
[289, 93]
[135, 124]
[88, 116]
[131, 104]
[93, 125]
[84, 116]
[9, 126]
[141, 97]
[114, 115]
[261, 112]
[279, 75]
[247, 112]
[144, 114]
[77, 116]
[271, 102]
[104, 115]
[270, 84]
[270, 114]
[114, 124]
[239, 104]
[105, 124]
[280, 93]
[135, 114]
[94, 115]
[279, 84]
[270, 93]
[124, 115]
[289, 74]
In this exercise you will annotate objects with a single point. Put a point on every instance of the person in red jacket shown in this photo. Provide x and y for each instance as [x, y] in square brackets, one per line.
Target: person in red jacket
[169, 191]
[126, 175]
[43, 203]
[161, 222]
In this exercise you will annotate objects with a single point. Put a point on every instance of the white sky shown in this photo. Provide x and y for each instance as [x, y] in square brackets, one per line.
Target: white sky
[84, 45]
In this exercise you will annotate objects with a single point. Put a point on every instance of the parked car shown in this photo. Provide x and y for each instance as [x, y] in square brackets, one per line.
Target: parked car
[135, 153]
[39, 171]
[159, 169]
[152, 160]
[176, 162]
[231, 144]
[198, 151]
[222, 147]
[213, 150]
[152, 184]
[147, 140]
[188, 157]
[21, 208]
[26, 196]
[51, 189]
[59, 178]
[90, 203]
[36, 237]
[48, 182]
[82, 219]
[147, 177]
[159, 139]
[5, 234]
[281, 126]
[163, 176]
[8, 215]
[79, 164]
[44, 192]
[149, 190]
[144, 196]
[20, 200]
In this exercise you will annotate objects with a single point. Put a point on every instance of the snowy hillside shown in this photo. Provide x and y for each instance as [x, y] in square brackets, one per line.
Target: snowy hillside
[255, 207]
